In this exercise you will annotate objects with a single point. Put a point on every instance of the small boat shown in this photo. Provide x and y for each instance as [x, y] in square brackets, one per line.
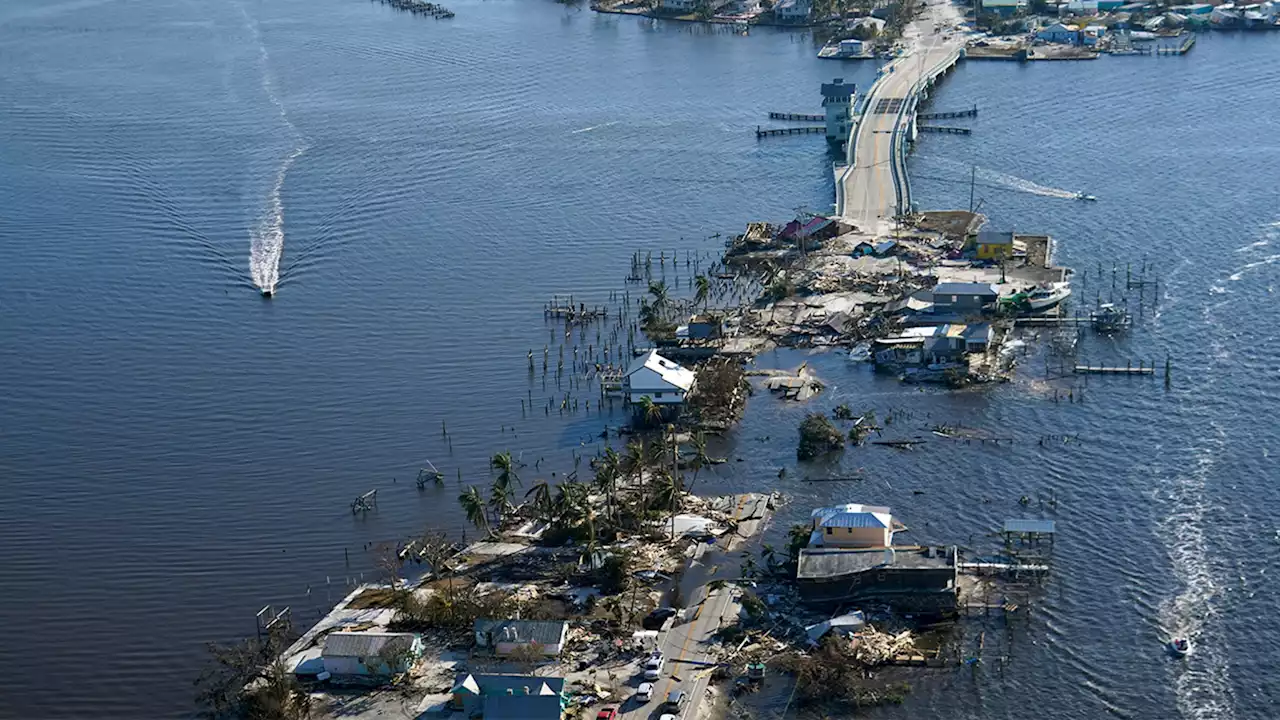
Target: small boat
[1085, 197]
[1109, 319]
[1180, 647]
[267, 292]
[1043, 298]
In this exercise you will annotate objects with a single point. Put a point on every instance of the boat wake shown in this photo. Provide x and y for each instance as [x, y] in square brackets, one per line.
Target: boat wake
[1013, 182]
[594, 127]
[1268, 260]
[266, 239]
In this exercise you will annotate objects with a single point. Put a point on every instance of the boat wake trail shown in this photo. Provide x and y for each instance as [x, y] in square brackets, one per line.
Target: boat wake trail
[594, 127]
[266, 239]
[1013, 182]
[1201, 684]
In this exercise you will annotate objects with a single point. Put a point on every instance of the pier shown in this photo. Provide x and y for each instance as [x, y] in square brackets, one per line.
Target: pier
[801, 117]
[872, 186]
[1105, 370]
[1187, 42]
[944, 129]
[972, 112]
[803, 130]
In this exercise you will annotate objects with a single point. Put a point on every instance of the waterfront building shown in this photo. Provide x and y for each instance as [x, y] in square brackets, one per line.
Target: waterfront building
[369, 655]
[907, 579]
[1055, 33]
[1003, 8]
[851, 525]
[661, 380]
[962, 298]
[793, 10]
[995, 245]
[837, 103]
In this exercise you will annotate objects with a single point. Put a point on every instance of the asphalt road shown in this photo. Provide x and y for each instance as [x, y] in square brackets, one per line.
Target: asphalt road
[687, 643]
[869, 196]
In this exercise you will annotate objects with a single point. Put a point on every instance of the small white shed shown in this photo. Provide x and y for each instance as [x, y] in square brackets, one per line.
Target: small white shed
[370, 654]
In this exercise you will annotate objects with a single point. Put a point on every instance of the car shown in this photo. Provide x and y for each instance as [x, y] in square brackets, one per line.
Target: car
[656, 619]
[668, 716]
[653, 666]
[676, 699]
[645, 692]
[609, 713]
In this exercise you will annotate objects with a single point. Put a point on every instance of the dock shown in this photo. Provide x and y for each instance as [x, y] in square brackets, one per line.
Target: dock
[420, 7]
[944, 129]
[1116, 370]
[801, 117]
[1182, 48]
[803, 130]
[972, 112]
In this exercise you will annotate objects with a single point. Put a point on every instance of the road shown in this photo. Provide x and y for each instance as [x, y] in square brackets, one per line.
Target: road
[870, 200]
[687, 643]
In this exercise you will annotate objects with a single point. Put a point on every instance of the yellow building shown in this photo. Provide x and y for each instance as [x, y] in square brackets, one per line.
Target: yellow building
[861, 526]
[991, 245]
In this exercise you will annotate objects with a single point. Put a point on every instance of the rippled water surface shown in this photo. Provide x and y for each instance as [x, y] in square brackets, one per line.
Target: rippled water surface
[178, 452]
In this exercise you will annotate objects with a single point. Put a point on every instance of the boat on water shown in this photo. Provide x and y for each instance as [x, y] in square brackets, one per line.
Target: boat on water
[1180, 647]
[1086, 197]
[1109, 319]
[267, 292]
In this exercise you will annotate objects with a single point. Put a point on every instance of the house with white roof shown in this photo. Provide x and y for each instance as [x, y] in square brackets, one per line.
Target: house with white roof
[852, 525]
[661, 380]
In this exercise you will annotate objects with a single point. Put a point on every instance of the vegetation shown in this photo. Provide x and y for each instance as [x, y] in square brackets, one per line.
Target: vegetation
[818, 437]
[246, 680]
[830, 674]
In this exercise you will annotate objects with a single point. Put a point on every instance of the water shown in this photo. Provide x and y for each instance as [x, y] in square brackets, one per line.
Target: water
[178, 452]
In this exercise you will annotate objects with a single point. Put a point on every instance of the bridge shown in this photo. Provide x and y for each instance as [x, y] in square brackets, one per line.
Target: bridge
[872, 186]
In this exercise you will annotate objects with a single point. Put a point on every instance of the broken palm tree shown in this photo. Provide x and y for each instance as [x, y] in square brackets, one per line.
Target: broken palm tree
[818, 437]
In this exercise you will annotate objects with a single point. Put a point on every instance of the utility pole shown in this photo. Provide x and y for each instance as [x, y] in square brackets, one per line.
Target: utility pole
[973, 181]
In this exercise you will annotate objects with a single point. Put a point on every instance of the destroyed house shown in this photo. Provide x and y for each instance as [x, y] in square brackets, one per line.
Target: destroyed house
[925, 345]
[906, 579]
[504, 637]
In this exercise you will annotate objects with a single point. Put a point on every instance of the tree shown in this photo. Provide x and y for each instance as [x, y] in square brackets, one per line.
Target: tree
[608, 468]
[818, 437]
[661, 297]
[506, 468]
[797, 540]
[702, 292]
[246, 680]
[650, 411]
[700, 457]
[388, 561]
[541, 493]
[473, 505]
[278, 696]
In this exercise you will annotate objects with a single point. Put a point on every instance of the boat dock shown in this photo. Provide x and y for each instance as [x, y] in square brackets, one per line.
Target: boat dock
[972, 112]
[803, 130]
[803, 117]
[1105, 370]
[944, 129]
[1184, 46]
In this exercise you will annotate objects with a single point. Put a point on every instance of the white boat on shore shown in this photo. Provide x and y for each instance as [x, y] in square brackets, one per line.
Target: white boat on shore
[1043, 298]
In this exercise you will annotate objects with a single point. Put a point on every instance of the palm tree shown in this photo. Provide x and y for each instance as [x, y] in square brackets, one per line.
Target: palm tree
[607, 470]
[473, 505]
[660, 295]
[797, 539]
[668, 494]
[499, 501]
[541, 493]
[650, 411]
[700, 457]
[703, 292]
[506, 468]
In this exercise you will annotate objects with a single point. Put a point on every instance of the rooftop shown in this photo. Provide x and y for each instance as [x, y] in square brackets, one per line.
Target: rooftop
[671, 372]
[837, 90]
[543, 632]
[364, 644]
[965, 288]
[816, 563]
[853, 515]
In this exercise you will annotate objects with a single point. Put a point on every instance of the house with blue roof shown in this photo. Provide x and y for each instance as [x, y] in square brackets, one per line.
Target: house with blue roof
[852, 525]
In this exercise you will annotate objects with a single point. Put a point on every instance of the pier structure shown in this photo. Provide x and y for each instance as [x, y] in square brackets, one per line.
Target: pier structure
[872, 186]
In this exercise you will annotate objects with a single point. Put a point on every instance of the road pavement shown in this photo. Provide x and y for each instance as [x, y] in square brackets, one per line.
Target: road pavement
[869, 196]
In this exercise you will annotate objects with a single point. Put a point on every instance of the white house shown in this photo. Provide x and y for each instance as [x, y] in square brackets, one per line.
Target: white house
[852, 525]
[793, 10]
[661, 380]
[506, 636]
[369, 654]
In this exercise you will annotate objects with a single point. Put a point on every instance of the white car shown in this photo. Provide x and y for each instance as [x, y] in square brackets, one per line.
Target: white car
[653, 667]
[645, 693]
[668, 716]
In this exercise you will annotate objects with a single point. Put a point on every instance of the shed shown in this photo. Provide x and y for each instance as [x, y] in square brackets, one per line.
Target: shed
[995, 245]
[852, 525]
[661, 380]
[977, 337]
[506, 636]
[370, 654]
[960, 297]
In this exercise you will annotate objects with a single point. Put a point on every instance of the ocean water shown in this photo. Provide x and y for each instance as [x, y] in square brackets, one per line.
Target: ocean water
[178, 452]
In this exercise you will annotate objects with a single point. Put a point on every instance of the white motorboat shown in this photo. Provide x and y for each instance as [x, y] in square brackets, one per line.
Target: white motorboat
[1180, 647]
[1043, 298]
[1086, 197]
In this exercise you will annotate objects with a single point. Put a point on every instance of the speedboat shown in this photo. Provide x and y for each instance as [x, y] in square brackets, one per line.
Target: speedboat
[1180, 647]
[1043, 298]
[267, 292]
[1085, 197]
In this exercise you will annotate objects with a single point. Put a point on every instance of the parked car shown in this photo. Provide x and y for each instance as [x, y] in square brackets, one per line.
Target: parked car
[655, 619]
[653, 666]
[645, 693]
[676, 700]
[609, 713]
[668, 716]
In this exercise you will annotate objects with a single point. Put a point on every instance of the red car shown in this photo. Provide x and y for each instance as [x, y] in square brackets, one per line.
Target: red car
[607, 714]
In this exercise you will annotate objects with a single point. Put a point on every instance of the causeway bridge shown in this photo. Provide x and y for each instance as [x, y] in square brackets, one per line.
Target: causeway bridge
[872, 187]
